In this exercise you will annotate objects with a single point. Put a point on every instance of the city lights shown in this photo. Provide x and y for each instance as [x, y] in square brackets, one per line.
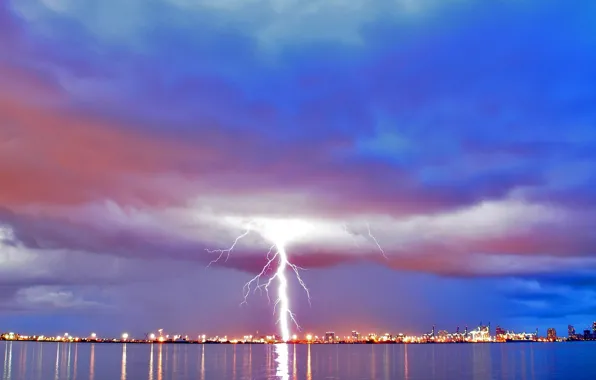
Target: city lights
[480, 334]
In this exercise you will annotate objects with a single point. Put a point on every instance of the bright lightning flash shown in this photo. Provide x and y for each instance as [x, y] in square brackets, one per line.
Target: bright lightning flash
[279, 233]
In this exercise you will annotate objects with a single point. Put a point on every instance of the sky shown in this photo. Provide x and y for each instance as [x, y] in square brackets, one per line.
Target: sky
[135, 137]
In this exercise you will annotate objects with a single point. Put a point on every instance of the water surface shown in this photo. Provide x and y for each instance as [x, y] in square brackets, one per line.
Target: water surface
[525, 361]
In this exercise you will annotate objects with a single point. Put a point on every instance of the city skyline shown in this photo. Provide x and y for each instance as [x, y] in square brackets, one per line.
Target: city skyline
[435, 330]
[480, 334]
[425, 162]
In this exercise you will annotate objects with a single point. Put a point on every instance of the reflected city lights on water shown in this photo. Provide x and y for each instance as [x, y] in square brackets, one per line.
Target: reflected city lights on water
[57, 369]
[203, 363]
[406, 364]
[92, 362]
[72, 361]
[160, 363]
[7, 373]
[308, 365]
[234, 364]
[250, 359]
[151, 364]
[282, 360]
[76, 360]
[294, 368]
[269, 353]
[123, 370]
[68, 363]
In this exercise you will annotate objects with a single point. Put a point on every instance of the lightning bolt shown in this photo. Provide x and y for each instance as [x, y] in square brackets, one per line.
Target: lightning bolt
[277, 253]
[282, 292]
[374, 239]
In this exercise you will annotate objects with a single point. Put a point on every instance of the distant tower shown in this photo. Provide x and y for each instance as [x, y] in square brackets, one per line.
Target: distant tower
[433, 331]
[457, 330]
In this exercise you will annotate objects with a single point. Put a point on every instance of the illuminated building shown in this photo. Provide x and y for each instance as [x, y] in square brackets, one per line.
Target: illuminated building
[355, 336]
[330, 336]
[500, 333]
[11, 336]
[571, 331]
[551, 334]
[480, 334]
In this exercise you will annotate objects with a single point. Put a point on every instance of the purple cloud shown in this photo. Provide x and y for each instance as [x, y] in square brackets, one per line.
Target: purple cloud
[461, 136]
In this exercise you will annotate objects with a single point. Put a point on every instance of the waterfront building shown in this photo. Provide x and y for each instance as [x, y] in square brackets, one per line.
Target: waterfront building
[551, 334]
[571, 331]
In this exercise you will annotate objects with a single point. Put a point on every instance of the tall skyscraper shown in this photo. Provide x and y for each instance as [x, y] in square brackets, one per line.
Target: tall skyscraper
[571, 331]
[551, 334]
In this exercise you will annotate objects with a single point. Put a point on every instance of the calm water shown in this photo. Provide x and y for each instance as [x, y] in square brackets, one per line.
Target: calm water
[46, 361]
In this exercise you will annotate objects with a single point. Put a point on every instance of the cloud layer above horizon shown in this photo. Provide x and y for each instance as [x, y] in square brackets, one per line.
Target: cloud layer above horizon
[460, 134]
